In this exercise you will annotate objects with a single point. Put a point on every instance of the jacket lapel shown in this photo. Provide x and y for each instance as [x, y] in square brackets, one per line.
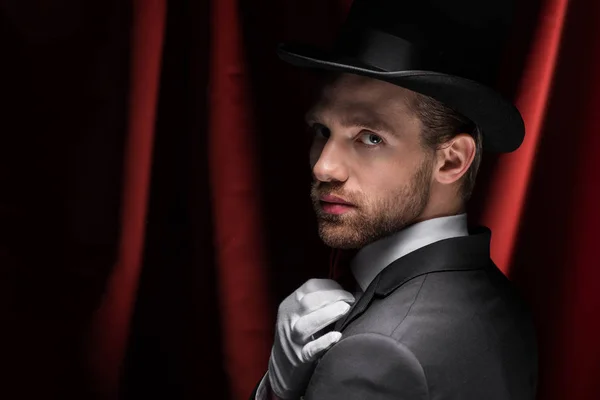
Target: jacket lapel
[454, 254]
[358, 307]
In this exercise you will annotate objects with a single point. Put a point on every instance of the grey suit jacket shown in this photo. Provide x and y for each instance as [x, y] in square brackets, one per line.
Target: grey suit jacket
[440, 323]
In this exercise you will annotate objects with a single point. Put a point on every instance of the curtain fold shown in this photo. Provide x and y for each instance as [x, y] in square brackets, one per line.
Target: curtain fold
[507, 193]
[110, 326]
[243, 280]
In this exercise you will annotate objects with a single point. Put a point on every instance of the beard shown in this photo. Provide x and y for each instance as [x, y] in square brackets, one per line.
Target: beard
[371, 219]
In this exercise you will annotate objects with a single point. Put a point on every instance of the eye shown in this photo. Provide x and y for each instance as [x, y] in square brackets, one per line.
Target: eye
[319, 130]
[370, 139]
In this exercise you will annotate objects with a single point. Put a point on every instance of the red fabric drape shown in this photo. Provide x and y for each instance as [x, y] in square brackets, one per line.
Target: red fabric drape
[506, 195]
[110, 327]
[242, 278]
[156, 203]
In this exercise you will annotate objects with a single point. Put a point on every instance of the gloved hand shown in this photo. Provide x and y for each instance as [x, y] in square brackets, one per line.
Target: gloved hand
[312, 307]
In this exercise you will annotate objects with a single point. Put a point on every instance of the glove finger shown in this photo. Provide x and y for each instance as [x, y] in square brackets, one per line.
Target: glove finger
[310, 324]
[315, 284]
[315, 300]
[313, 349]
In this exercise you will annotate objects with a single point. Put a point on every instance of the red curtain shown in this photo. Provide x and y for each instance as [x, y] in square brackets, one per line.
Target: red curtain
[155, 204]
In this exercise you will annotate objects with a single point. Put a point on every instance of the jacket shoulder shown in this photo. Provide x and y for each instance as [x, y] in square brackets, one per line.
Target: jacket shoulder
[470, 331]
[365, 366]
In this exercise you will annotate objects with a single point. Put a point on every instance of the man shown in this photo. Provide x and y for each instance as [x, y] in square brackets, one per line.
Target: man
[399, 128]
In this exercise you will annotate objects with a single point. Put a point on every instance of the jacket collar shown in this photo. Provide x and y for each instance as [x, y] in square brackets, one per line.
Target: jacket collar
[373, 258]
[454, 254]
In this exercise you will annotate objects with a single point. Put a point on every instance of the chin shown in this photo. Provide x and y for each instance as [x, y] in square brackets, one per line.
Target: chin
[339, 236]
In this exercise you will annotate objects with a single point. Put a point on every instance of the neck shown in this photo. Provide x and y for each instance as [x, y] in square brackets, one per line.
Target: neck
[428, 214]
[442, 204]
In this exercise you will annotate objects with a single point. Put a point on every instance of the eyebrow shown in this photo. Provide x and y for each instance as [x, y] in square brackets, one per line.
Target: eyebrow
[361, 119]
[367, 121]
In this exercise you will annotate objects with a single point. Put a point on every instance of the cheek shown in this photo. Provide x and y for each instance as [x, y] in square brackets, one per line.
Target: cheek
[378, 185]
[382, 185]
[383, 170]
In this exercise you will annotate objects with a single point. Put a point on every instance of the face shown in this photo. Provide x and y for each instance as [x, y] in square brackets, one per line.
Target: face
[372, 176]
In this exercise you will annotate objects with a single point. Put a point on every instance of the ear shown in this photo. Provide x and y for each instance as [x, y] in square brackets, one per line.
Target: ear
[454, 158]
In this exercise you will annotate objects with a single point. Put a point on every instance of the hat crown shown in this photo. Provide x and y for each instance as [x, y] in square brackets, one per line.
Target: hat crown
[458, 37]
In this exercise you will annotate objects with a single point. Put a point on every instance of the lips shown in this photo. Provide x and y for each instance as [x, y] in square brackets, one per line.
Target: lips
[335, 200]
[335, 205]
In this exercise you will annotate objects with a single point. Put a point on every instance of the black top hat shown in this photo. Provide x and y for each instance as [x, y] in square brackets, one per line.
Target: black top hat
[446, 49]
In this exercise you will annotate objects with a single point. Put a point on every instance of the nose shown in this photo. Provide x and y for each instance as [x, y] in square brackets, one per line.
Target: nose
[328, 162]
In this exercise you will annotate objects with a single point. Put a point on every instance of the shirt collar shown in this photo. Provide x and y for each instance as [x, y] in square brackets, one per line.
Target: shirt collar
[373, 258]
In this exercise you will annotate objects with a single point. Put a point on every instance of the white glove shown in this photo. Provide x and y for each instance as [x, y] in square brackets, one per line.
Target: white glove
[312, 307]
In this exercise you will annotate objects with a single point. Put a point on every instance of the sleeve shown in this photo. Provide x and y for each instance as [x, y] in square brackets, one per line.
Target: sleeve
[259, 392]
[368, 366]
[262, 391]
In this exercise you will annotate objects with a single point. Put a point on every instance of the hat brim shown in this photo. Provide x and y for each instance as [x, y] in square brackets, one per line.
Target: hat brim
[500, 121]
